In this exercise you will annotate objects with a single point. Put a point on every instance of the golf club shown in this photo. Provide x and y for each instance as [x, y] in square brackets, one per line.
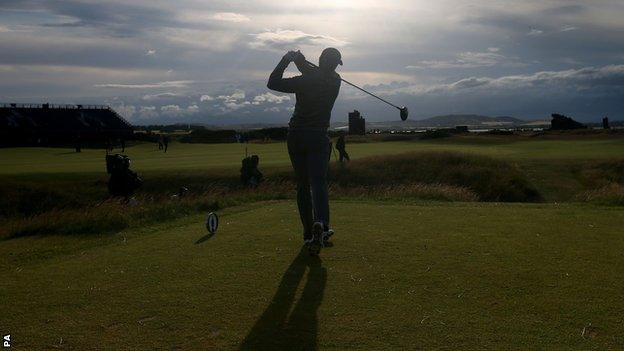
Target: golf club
[402, 110]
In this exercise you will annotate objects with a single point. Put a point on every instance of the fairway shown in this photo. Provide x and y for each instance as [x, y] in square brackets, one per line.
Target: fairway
[401, 276]
[183, 157]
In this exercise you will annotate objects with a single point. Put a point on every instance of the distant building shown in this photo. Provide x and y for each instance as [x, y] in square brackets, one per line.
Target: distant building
[461, 129]
[561, 122]
[67, 125]
[605, 123]
[357, 123]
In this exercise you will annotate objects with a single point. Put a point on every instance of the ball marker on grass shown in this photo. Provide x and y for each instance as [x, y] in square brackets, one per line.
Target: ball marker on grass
[212, 222]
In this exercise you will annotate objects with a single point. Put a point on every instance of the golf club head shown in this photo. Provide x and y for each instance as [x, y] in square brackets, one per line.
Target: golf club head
[404, 113]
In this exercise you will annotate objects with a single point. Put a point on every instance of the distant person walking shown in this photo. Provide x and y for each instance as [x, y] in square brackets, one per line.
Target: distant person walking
[341, 147]
[316, 90]
[78, 145]
[160, 142]
[166, 142]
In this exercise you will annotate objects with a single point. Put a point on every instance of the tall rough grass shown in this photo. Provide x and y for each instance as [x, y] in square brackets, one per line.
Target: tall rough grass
[612, 194]
[438, 192]
[488, 178]
[599, 174]
[60, 207]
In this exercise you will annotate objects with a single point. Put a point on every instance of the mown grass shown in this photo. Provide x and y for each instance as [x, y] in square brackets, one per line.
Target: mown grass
[423, 276]
[208, 157]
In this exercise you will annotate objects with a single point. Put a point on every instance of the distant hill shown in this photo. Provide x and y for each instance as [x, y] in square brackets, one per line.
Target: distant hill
[468, 120]
[450, 121]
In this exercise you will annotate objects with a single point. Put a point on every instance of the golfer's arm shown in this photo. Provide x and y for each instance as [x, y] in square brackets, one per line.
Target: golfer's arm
[278, 83]
[304, 67]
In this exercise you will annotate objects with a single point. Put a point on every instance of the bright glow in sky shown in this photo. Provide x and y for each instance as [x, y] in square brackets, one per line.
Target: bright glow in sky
[207, 61]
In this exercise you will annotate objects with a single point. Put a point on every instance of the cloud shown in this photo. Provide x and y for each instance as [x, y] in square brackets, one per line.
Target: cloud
[166, 84]
[234, 101]
[127, 111]
[467, 83]
[170, 109]
[175, 110]
[210, 19]
[118, 19]
[610, 78]
[235, 96]
[470, 59]
[192, 108]
[290, 39]
[126, 49]
[230, 17]
[270, 98]
[147, 112]
[233, 106]
[16, 29]
[212, 40]
[152, 97]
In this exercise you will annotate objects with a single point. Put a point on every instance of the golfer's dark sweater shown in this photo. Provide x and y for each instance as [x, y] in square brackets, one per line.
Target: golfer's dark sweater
[316, 92]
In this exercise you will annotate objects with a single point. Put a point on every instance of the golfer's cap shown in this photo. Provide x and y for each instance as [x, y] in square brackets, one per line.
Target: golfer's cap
[332, 54]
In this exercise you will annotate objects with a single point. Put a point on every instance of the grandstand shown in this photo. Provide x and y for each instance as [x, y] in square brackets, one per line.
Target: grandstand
[57, 125]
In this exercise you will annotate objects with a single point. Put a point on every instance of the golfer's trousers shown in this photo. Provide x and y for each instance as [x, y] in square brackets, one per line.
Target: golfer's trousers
[309, 154]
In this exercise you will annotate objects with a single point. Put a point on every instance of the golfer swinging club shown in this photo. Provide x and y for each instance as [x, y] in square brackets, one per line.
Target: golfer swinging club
[316, 90]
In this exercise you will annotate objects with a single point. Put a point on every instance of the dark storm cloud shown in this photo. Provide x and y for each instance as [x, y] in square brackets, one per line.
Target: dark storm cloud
[566, 9]
[117, 19]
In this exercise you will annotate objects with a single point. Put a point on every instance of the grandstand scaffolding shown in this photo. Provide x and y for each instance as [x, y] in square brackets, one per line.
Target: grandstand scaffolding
[56, 125]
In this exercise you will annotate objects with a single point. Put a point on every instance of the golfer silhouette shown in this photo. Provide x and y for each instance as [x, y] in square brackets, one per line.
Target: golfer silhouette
[316, 90]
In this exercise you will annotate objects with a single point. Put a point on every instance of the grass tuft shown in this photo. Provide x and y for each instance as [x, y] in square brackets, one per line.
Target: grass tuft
[612, 194]
[438, 192]
[101, 220]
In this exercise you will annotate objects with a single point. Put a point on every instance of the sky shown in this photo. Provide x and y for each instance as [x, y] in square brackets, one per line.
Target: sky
[191, 61]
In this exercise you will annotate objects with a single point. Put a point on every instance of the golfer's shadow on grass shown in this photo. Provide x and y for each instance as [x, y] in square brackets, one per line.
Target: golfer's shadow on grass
[276, 329]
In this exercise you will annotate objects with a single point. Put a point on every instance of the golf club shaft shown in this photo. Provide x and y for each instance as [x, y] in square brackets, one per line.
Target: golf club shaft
[355, 86]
